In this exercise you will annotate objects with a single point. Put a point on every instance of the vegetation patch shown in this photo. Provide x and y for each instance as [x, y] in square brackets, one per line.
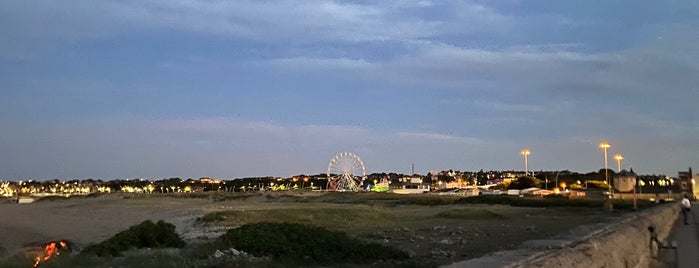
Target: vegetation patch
[144, 235]
[235, 196]
[549, 201]
[426, 200]
[61, 197]
[381, 198]
[305, 243]
[317, 216]
[472, 214]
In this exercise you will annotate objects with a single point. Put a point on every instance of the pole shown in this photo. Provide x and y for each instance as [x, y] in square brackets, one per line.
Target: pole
[618, 165]
[526, 164]
[526, 153]
[606, 173]
[634, 193]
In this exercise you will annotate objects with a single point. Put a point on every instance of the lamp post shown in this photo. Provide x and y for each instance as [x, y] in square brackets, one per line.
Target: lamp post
[604, 146]
[618, 158]
[526, 153]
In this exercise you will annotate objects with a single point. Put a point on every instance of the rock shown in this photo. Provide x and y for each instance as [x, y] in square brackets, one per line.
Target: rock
[441, 254]
[218, 254]
[235, 252]
[411, 254]
[379, 234]
[446, 241]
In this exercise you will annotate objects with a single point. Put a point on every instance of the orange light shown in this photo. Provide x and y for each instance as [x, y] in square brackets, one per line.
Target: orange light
[51, 249]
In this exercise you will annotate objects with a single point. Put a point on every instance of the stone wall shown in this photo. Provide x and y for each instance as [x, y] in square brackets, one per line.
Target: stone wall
[624, 243]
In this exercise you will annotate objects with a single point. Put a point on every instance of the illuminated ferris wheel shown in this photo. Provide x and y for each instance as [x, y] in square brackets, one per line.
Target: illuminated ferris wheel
[345, 172]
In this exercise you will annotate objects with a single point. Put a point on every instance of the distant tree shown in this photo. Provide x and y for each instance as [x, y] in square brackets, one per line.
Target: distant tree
[445, 178]
[524, 183]
[482, 177]
[501, 186]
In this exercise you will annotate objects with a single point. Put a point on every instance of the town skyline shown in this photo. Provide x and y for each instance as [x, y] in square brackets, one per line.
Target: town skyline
[157, 89]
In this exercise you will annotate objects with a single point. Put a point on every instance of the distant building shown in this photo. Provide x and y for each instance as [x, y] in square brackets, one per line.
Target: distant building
[410, 185]
[686, 181]
[625, 181]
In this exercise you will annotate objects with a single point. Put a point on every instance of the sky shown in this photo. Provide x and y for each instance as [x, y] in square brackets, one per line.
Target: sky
[231, 89]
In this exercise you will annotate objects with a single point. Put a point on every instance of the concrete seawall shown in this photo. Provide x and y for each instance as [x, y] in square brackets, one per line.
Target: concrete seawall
[624, 243]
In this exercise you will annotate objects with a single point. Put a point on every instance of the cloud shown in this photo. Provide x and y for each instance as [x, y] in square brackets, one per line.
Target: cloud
[437, 137]
[33, 25]
[546, 83]
[314, 64]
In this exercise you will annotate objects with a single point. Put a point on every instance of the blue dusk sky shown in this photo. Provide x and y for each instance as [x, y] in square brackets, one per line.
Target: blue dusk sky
[230, 89]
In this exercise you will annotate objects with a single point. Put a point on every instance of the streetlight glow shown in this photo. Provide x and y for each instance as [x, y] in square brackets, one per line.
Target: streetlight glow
[604, 146]
[618, 158]
[526, 153]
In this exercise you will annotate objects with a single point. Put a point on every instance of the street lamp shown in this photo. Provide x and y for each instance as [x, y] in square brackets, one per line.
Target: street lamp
[618, 158]
[526, 153]
[604, 146]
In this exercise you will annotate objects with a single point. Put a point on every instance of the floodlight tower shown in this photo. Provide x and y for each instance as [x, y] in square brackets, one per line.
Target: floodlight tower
[618, 158]
[604, 146]
[526, 154]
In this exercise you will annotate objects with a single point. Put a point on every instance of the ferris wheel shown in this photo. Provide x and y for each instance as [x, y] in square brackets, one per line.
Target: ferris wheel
[345, 172]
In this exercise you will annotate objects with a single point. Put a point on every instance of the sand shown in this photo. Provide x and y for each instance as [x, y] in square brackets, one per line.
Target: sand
[88, 220]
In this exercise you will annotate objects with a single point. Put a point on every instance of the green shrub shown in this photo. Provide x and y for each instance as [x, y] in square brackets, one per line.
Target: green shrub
[305, 243]
[144, 235]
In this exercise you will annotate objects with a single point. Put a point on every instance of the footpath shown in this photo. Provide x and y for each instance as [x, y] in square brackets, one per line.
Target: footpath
[685, 240]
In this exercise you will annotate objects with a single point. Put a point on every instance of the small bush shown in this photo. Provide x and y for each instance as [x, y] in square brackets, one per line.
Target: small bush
[300, 242]
[144, 235]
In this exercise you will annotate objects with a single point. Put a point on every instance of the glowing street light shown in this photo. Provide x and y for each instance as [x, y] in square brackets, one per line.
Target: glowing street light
[618, 158]
[604, 146]
[526, 154]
